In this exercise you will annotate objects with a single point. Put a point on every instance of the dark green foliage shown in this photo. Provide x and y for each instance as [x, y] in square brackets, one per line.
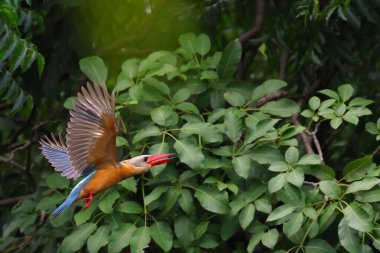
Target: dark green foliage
[263, 164]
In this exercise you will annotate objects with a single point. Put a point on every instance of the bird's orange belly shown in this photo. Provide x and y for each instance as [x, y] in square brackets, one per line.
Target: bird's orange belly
[101, 180]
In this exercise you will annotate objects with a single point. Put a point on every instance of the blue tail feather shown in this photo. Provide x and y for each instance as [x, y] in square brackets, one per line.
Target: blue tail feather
[72, 196]
[70, 199]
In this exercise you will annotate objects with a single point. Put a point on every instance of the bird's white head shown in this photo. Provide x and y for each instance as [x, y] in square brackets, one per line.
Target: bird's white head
[142, 163]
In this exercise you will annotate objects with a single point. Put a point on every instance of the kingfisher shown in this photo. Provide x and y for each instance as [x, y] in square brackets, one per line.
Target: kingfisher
[90, 148]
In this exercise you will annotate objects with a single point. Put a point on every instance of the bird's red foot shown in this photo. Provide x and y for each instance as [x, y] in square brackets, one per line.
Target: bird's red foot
[88, 200]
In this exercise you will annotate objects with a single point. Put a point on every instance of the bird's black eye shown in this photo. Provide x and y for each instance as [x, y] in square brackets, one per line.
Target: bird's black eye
[145, 159]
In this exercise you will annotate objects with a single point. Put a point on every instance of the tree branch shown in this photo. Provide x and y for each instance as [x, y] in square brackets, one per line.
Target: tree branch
[283, 62]
[257, 24]
[10, 201]
[316, 142]
[249, 53]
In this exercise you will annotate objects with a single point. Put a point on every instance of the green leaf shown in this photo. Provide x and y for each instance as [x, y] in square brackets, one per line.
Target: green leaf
[280, 212]
[69, 103]
[279, 166]
[369, 196]
[210, 133]
[355, 170]
[8, 15]
[242, 166]
[171, 199]
[189, 153]
[314, 103]
[130, 207]
[152, 85]
[146, 132]
[121, 141]
[123, 83]
[269, 238]
[345, 92]
[358, 101]
[230, 59]
[18, 103]
[340, 109]
[129, 184]
[185, 201]
[85, 215]
[296, 177]
[283, 108]
[164, 116]
[78, 238]
[234, 98]
[188, 41]
[94, 68]
[130, 68]
[372, 128]
[330, 188]
[181, 95]
[98, 240]
[293, 225]
[336, 122]
[330, 93]
[203, 44]
[140, 239]
[307, 113]
[263, 205]
[187, 107]
[212, 200]
[365, 184]
[159, 148]
[120, 238]
[184, 230]
[209, 75]
[200, 229]
[267, 87]
[246, 215]
[291, 155]
[208, 241]
[233, 126]
[309, 160]
[108, 200]
[357, 218]
[318, 246]
[253, 241]
[328, 216]
[56, 181]
[351, 118]
[155, 194]
[348, 237]
[310, 212]
[162, 235]
[260, 129]
[277, 183]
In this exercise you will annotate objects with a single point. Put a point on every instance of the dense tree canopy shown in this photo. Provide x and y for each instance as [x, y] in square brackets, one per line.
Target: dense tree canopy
[270, 106]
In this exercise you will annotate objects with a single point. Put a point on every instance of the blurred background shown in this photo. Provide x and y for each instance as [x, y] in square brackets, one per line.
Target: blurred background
[309, 44]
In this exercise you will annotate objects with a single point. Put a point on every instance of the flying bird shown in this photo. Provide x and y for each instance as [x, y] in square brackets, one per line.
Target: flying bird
[90, 148]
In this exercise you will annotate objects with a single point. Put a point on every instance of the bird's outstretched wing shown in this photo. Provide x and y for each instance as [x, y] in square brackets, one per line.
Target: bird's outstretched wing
[55, 152]
[91, 132]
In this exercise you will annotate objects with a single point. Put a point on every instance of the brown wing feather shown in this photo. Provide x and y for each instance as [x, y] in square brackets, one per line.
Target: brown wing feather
[91, 132]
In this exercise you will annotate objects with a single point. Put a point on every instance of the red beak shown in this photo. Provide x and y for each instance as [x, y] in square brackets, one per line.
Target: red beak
[154, 160]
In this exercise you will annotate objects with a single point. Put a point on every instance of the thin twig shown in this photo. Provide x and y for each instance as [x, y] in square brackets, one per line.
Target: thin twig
[316, 142]
[283, 63]
[375, 151]
[257, 24]
[249, 52]
[271, 96]
[10, 201]
[304, 136]
[314, 184]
